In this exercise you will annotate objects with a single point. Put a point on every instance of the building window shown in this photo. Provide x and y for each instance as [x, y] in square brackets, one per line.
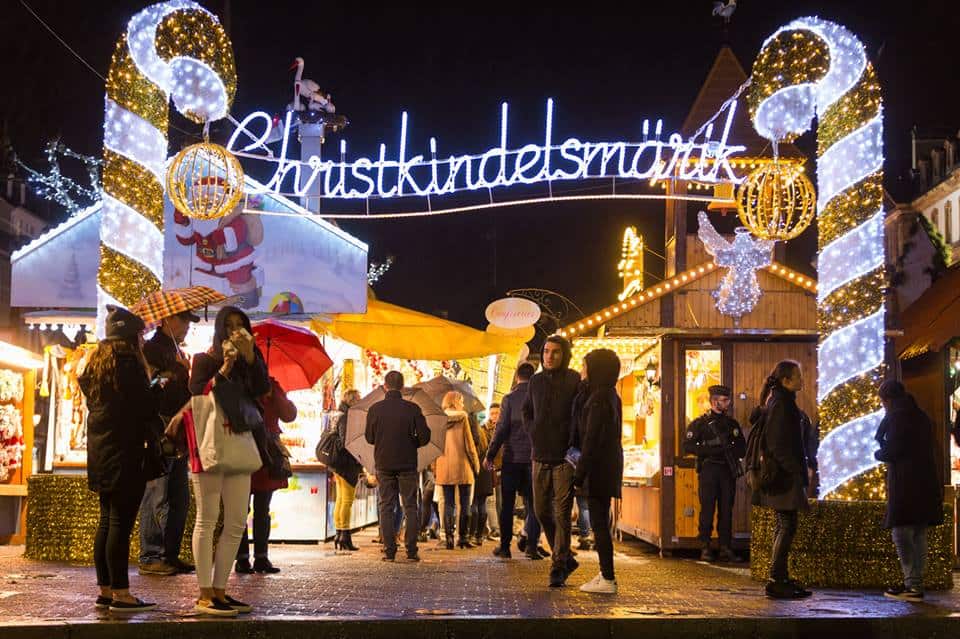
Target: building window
[948, 221]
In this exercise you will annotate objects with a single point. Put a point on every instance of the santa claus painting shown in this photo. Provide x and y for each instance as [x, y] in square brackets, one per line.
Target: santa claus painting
[226, 248]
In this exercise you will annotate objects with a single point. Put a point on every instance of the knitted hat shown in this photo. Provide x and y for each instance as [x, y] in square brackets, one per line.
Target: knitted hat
[721, 391]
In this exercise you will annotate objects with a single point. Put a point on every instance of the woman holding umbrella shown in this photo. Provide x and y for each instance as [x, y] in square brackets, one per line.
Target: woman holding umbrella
[456, 469]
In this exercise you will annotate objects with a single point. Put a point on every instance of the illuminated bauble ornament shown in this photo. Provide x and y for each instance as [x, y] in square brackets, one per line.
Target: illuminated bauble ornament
[777, 201]
[205, 181]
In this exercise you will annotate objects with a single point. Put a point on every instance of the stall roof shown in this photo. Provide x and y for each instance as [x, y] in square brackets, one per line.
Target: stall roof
[933, 319]
[594, 321]
[407, 334]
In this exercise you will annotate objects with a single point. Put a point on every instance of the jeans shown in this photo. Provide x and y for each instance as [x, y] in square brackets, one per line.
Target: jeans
[583, 518]
[553, 502]
[493, 510]
[517, 479]
[402, 488]
[111, 546]
[718, 489]
[600, 511]
[784, 530]
[450, 508]
[343, 505]
[427, 508]
[212, 489]
[261, 528]
[163, 514]
[911, 543]
[478, 515]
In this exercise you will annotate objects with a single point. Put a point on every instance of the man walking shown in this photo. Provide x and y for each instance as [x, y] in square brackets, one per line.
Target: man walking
[516, 472]
[397, 428]
[547, 414]
[163, 511]
[719, 445]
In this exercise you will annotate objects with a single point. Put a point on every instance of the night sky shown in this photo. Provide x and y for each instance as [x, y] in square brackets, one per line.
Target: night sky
[450, 69]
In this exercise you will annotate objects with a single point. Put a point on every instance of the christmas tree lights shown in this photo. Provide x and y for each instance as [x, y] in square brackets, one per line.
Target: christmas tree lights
[810, 68]
[177, 49]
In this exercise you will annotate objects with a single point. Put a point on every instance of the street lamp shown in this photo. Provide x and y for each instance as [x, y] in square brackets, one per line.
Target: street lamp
[651, 372]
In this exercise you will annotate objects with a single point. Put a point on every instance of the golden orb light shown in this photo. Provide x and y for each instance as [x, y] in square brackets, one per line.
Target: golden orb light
[205, 181]
[777, 201]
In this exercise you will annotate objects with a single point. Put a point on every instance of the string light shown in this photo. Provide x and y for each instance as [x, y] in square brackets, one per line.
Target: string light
[809, 68]
[376, 271]
[739, 290]
[630, 267]
[173, 48]
[56, 187]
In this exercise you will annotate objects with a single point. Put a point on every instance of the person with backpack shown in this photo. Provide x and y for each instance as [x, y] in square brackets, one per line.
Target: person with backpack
[717, 441]
[914, 488]
[777, 469]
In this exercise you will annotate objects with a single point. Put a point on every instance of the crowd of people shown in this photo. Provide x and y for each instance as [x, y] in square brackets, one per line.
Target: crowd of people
[554, 441]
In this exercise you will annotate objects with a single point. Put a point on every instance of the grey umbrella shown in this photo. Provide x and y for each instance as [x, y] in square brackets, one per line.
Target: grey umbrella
[357, 425]
[439, 386]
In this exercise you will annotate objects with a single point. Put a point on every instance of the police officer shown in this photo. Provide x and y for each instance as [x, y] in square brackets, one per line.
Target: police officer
[719, 445]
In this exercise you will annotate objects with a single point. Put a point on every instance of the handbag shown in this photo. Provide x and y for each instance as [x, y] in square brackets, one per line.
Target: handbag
[328, 449]
[279, 465]
[219, 449]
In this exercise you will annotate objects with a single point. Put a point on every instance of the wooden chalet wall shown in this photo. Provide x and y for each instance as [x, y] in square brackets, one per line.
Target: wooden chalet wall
[782, 306]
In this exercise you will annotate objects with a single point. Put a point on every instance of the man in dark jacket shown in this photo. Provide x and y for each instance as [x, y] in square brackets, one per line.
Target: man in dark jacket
[717, 441]
[397, 428]
[547, 414]
[516, 472]
[163, 511]
[914, 488]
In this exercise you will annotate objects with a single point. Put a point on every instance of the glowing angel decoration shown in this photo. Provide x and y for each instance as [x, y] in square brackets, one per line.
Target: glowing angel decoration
[740, 290]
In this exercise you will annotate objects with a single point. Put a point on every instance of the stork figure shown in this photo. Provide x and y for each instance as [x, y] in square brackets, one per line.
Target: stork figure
[317, 100]
[725, 10]
[739, 290]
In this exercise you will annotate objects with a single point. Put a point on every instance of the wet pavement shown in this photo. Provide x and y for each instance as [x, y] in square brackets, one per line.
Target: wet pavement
[321, 592]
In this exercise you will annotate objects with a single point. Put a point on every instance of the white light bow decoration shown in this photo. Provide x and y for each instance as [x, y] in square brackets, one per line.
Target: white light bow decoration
[740, 290]
[815, 68]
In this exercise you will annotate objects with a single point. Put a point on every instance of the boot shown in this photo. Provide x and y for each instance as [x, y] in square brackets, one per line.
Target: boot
[346, 541]
[337, 540]
[448, 531]
[464, 542]
[463, 531]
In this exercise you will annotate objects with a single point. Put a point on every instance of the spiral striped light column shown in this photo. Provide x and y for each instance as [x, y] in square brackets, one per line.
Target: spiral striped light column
[812, 67]
[172, 49]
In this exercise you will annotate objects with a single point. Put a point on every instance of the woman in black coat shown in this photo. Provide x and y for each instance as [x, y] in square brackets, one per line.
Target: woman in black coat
[123, 420]
[784, 449]
[599, 471]
[914, 489]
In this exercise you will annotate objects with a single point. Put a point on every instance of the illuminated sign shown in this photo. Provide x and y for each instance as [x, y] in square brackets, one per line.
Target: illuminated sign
[700, 159]
[630, 267]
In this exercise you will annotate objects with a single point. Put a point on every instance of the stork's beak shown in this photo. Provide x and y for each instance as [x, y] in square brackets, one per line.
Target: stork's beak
[293, 66]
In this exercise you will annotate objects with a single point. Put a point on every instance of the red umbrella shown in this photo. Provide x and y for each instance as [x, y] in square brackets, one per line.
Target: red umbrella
[295, 356]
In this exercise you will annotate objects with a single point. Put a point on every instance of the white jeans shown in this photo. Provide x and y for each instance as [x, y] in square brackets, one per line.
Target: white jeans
[209, 489]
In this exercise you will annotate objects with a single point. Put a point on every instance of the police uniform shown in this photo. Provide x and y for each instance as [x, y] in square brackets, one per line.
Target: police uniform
[716, 440]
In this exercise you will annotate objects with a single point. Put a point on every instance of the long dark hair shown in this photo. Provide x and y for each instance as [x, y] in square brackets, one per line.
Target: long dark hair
[101, 369]
[781, 371]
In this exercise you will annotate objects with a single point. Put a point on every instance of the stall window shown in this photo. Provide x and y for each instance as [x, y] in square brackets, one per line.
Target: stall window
[703, 368]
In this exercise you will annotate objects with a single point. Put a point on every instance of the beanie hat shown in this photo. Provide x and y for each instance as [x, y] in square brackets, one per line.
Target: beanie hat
[122, 324]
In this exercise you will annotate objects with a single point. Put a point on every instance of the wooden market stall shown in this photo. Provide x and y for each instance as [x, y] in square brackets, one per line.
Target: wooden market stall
[18, 375]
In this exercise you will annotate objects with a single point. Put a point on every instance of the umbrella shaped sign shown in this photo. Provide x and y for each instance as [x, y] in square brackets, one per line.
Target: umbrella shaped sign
[439, 386]
[357, 425]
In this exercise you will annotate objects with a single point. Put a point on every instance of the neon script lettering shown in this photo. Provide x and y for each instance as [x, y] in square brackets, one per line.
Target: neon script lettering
[704, 160]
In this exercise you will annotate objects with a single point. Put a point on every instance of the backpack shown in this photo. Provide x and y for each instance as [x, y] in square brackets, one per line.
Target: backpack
[760, 468]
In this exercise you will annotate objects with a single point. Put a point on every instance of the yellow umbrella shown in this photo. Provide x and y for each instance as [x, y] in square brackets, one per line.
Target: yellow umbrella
[399, 332]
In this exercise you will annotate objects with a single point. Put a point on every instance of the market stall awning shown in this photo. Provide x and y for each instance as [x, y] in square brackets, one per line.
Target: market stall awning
[933, 319]
[399, 332]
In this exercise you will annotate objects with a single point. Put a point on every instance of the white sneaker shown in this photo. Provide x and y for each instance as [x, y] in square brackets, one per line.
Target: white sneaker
[600, 585]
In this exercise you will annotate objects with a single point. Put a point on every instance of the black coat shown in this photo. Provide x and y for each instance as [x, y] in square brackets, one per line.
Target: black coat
[483, 487]
[547, 413]
[785, 445]
[599, 433]
[914, 488]
[161, 353]
[396, 428]
[345, 464]
[119, 425]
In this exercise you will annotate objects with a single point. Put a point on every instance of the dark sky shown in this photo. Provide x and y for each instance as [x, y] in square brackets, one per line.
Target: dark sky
[450, 68]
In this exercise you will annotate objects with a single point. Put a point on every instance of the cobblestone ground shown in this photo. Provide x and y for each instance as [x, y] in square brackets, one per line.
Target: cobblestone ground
[317, 583]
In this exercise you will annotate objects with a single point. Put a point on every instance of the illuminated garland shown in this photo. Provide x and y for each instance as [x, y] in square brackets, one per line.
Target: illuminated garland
[172, 49]
[56, 187]
[810, 68]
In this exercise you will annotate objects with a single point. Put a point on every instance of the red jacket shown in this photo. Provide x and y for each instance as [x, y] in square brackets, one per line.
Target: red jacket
[276, 408]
